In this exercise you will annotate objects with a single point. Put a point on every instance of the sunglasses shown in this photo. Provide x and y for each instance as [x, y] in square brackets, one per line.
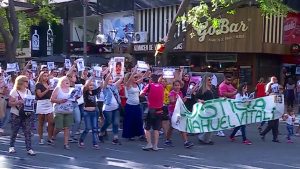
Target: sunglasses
[135, 77]
[209, 79]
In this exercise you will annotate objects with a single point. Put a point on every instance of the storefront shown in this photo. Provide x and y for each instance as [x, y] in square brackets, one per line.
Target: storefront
[247, 45]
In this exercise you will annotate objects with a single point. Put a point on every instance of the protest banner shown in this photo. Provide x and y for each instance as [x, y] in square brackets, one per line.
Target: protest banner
[68, 64]
[29, 101]
[220, 114]
[142, 66]
[118, 67]
[50, 65]
[168, 73]
[80, 65]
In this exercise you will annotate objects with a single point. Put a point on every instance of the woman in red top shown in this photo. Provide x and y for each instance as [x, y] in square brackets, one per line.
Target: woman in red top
[260, 88]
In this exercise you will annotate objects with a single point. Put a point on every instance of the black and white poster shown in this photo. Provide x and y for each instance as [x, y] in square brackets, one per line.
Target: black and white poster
[76, 92]
[68, 63]
[53, 83]
[29, 101]
[50, 65]
[80, 65]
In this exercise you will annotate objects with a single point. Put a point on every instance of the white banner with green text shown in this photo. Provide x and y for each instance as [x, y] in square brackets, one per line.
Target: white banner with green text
[220, 114]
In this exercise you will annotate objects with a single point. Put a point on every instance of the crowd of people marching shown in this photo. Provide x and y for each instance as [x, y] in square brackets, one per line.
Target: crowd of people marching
[142, 102]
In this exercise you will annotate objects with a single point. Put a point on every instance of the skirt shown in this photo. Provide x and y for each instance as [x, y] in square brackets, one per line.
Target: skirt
[44, 107]
[133, 121]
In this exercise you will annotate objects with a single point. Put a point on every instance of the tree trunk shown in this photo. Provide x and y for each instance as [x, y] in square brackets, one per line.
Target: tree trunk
[10, 36]
[173, 41]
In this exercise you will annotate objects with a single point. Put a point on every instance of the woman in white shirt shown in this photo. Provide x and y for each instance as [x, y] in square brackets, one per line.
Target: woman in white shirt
[133, 119]
[243, 98]
[18, 117]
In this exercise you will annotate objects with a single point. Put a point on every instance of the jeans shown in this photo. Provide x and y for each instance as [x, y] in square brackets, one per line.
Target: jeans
[91, 121]
[77, 119]
[243, 130]
[111, 117]
[290, 129]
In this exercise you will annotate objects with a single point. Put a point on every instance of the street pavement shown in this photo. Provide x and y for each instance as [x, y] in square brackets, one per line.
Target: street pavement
[224, 154]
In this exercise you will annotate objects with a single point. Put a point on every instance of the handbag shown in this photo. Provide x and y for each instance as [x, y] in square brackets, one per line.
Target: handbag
[22, 113]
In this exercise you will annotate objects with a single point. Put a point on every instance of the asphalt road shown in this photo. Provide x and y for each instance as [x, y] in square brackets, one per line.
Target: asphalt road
[224, 154]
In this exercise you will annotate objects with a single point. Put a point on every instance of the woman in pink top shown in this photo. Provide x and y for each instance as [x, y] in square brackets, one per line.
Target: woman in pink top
[173, 96]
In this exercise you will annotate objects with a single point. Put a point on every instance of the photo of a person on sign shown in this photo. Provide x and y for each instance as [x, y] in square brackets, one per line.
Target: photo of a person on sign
[118, 68]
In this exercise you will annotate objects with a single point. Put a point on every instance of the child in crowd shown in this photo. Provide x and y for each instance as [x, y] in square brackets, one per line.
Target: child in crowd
[290, 119]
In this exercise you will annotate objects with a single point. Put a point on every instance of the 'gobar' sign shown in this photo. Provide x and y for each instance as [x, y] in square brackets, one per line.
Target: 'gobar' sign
[224, 28]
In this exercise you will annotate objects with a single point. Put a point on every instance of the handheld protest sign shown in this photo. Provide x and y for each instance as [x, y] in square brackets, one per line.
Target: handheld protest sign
[118, 67]
[76, 92]
[53, 83]
[50, 65]
[98, 72]
[142, 66]
[29, 101]
[11, 67]
[68, 63]
[214, 80]
[33, 66]
[168, 73]
[80, 65]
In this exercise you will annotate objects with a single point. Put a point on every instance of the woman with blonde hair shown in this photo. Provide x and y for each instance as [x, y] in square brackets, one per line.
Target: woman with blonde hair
[18, 117]
[63, 108]
[44, 108]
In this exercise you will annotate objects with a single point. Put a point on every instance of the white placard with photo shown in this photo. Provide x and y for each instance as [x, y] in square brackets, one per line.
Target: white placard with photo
[118, 67]
[168, 73]
[80, 65]
[68, 63]
[50, 65]
[214, 80]
[76, 92]
[29, 101]
[11, 67]
[53, 83]
[33, 66]
[142, 66]
[98, 72]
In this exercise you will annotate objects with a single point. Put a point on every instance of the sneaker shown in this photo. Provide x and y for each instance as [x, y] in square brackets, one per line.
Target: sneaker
[220, 134]
[238, 133]
[206, 143]
[73, 140]
[276, 141]
[148, 147]
[41, 142]
[188, 144]
[11, 150]
[67, 147]
[80, 144]
[290, 141]
[155, 148]
[168, 143]
[116, 141]
[96, 147]
[297, 134]
[50, 142]
[247, 142]
[232, 139]
[31, 152]
[101, 138]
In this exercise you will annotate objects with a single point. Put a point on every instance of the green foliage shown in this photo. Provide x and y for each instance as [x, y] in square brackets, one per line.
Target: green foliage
[204, 11]
[42, 12]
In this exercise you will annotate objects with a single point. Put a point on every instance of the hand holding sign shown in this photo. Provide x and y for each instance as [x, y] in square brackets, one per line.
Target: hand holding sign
[168, 73]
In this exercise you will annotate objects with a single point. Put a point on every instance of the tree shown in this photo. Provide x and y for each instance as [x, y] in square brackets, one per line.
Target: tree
[15, 25]
[197, 15]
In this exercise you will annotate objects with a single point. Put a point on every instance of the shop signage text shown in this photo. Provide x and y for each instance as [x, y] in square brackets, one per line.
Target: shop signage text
[151, 47]
[225, 28]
